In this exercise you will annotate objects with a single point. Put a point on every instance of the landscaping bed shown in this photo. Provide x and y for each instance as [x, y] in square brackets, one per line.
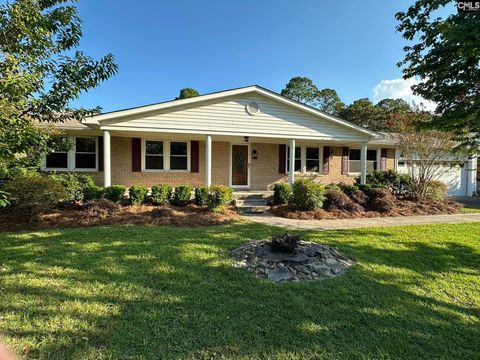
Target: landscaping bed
[402, 208]
[80, 216]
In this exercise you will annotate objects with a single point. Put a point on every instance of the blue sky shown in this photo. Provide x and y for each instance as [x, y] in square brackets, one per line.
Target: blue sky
[163, 46]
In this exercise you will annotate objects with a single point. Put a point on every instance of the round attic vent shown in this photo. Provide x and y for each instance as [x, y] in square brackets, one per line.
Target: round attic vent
[253, 108]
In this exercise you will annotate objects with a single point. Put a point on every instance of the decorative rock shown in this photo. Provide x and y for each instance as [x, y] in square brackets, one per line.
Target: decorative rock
[311, 261]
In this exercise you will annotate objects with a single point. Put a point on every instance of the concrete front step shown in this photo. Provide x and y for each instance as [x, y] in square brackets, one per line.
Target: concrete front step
[250, 202]
[252, 209]
[242, 195]
[251, 205]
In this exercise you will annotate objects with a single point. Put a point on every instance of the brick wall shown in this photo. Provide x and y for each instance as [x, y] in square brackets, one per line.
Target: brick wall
[264, 170]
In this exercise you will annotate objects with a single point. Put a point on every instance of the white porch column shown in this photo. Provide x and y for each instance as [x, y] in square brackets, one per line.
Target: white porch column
[363, 164]
[471, 169]
[107, 172]
[208, 160]
[291, 173]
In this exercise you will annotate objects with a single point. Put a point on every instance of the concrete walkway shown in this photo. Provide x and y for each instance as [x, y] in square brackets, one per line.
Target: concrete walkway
[337, 224]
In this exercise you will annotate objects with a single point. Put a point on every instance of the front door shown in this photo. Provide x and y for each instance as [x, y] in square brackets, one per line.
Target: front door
[239, 165]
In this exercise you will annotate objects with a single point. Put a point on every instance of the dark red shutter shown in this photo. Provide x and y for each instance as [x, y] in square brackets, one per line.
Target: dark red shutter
[282, 158]
[345, 161]
[100, 153]
[194, 166]
[383, 159]
[136, 154]
[326, 160]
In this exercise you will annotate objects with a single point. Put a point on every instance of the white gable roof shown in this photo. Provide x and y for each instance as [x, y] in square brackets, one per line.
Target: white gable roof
[225, 113]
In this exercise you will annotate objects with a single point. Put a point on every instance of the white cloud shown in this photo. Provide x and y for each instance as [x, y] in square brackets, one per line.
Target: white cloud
[400, 88]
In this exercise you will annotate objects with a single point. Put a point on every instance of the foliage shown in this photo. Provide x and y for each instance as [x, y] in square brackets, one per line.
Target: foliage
[74, 184]
[308, 195]
[425, 153]
[137, 194]
[219, 196]
[282, 193]
[115, 193]
[161, 194]
[201, 195]
[33, 194]
[98, 209]
[302, 89]
[398, 184]
[337, 200]
[437, 190]
[92, 192]
[4, 198]
[348, 189]
[41, 72]
[333, 186]
[380, 200]
[444, 57]
[285, 243]
[187, 93]
[182, 195]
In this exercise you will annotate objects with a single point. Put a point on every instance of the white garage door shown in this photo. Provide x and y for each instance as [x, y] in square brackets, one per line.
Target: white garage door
[455, 178]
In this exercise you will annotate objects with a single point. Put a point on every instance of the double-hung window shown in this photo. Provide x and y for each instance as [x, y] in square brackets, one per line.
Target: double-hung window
[178, 155]
[312, 161]
[298, 158]
[85, 153]
[354, 163]
[154, 158]
[59, 158]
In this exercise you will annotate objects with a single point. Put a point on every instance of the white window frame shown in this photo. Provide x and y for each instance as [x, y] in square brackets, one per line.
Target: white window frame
[166, 156]
[303, 159]
[378, 159]
[71, 166]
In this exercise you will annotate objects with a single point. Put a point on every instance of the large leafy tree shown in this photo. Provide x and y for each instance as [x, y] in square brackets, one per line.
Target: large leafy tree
[304, 90]
[186, 93]
[364, 113]
[446, 57]
[41, 72]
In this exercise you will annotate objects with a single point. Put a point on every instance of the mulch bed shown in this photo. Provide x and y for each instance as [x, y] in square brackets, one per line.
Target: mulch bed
[188, 216]
[402, 208]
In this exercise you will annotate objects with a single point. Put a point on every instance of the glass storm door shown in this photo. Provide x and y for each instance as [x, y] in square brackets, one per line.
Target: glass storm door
[239, 165]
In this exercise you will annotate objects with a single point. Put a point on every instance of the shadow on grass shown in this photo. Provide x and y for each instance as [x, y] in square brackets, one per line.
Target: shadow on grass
[157, 292]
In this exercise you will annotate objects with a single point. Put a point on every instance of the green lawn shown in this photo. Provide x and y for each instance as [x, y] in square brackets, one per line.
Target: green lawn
[157, 292]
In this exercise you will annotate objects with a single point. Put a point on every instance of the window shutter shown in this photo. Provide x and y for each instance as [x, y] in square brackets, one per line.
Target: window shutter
[136, 154]
[383, 159]
[100, 153]
[194, 166]
[345, 161]
[282, 158]
[326, 160]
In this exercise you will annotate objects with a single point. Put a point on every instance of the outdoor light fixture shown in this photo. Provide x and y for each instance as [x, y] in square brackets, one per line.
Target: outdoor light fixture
[255, 154]
[246, 138]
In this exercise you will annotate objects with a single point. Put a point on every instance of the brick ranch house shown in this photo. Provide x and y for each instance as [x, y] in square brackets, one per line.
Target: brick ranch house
[247, 138]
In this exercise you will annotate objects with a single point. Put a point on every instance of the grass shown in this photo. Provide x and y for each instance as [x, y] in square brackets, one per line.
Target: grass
[469, 210]
[145, 292]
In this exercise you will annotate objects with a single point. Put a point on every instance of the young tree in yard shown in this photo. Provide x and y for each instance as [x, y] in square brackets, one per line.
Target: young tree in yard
[446, 58]
[424, 151]
[187, 93]
[40, 74]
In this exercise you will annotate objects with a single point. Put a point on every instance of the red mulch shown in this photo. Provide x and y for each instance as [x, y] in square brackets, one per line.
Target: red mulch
[188, 216]
[402, 208]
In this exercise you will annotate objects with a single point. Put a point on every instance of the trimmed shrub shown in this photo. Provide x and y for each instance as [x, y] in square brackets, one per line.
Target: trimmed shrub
[161, 194]
[74, 184]
[115, 193]
[348, 189]
[30, 195]
[201, 195]
[333, 186]
[282, 193]
[437, 190]
[381, 200]
[359, 197]
[137, 194]
[219, 196]
[337, 200]
[285, 243]
[397, 183]
[98, 209]
[92, 192]
[182, 195]
[308, 195]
